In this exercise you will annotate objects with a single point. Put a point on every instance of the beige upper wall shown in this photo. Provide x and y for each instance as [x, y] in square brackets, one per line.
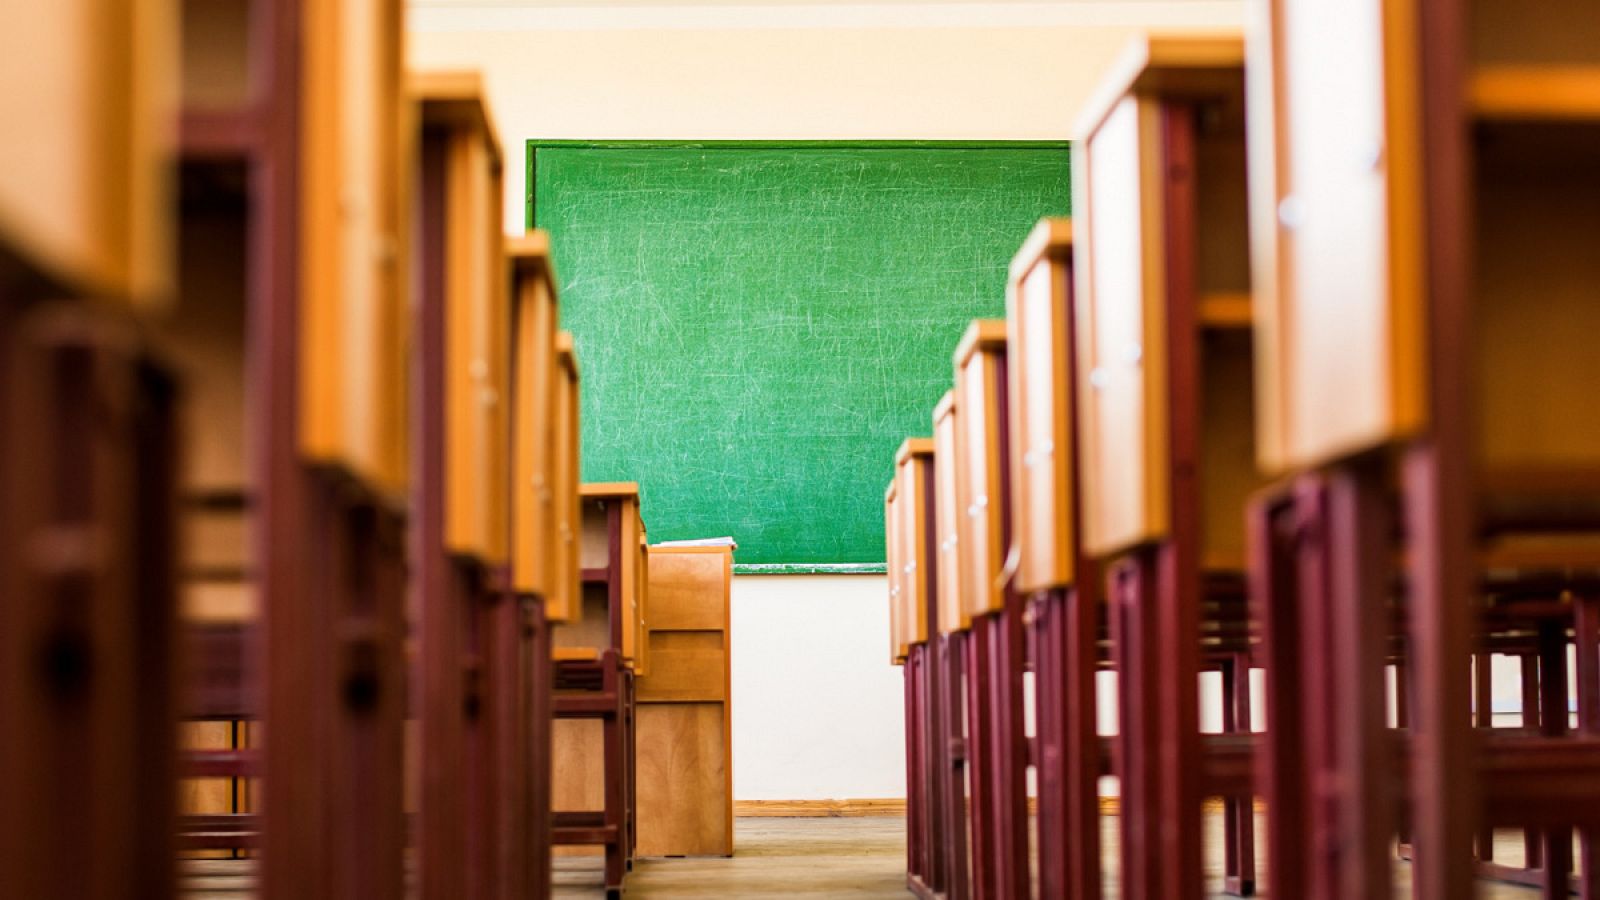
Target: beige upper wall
[804, 72]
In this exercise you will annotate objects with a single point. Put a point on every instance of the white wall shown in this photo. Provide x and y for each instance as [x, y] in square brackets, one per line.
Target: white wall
[818, 711]
[817, 708]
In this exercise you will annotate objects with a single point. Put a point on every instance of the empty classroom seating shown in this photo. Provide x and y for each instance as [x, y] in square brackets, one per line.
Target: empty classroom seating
[535, 379]
[1054, 575]
[294, 488]
[598, 654]
[89, 432]
[685, 715]
[1161, 263]
[949, 660]
[290, 454]
[997, 746]
[913, 581]
[1426, 292]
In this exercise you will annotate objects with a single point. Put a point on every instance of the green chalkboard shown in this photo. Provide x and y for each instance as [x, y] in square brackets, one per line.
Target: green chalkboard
[760, 325]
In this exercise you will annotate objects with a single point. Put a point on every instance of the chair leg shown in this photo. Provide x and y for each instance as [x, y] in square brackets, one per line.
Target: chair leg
[979, 777]
[1238, 812]
[1273, 533]
[952, 689]
[1010, 756]
[1586, 638]
[1553, 722]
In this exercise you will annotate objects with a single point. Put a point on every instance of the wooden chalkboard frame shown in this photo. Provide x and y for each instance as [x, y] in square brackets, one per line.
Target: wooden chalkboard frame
[534, 145]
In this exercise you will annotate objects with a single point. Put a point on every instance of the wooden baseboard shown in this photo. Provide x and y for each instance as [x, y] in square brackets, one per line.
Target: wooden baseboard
[819, 809]
[861, 809]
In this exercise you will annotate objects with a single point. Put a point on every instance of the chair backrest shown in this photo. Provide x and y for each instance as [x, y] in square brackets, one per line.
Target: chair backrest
[1142, 272]
[456, 125]
[947, 512]
[914, 481]
[535, 312]
[982, 489]
[1039, 381]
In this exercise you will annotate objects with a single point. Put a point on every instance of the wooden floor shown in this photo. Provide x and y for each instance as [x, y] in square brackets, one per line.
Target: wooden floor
[818, 857]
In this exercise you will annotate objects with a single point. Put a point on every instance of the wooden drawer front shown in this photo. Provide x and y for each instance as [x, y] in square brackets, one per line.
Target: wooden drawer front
[911, 484]
[1120, 331]
[978, 452]
[90, 98]
[686, 666]
[1336, 242]
[1038, 357]
[353, 383]
[947, 505]
[685, 780]
[689, 590]
[533, 454]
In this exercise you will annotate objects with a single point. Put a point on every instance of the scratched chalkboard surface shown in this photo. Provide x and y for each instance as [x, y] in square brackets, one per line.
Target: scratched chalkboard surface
[760, 325]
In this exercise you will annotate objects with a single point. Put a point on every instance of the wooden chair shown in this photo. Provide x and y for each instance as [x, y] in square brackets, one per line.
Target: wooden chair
[470, 650]
[1161, 299]
[996, 653]
[1053, 574]
[685, 713]
[1425, 280]
[949, 639]
[910, 529]
[89, 434]
[595, 657]
[291, 258]
[535, 548]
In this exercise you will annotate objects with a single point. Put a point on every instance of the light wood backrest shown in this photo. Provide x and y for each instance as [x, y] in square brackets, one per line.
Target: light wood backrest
[980, 362]
[1122, 230]
[952, 612]
[1039, 379]
[477, 318]
[1347, 351]
[353, 240]
[535, 313]
[893, 535]
[89, 98]
[565, 601]
[1335, 231]
[914, 480]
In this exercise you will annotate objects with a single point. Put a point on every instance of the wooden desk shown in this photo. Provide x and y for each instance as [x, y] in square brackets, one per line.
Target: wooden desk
[685, 725]
[612, 615]
[913, 570]
[1060, 582]
[1426, 296]
[595, 787]
[1165, 427]
[997, 745]
[472, 756]
[292, 259]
